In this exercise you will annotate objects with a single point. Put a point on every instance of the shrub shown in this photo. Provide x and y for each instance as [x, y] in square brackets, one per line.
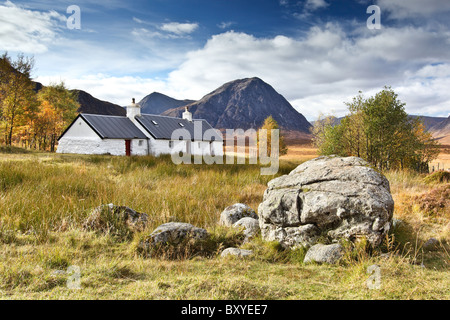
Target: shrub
[438, 177]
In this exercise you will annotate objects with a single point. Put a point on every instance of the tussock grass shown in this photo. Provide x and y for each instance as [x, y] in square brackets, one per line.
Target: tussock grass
[45, 198]
[438, 177]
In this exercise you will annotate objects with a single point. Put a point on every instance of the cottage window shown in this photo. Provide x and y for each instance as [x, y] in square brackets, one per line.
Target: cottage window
[171, 144]
[140, 143]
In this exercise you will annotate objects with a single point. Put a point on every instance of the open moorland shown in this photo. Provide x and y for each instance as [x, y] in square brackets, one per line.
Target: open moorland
[44, 199]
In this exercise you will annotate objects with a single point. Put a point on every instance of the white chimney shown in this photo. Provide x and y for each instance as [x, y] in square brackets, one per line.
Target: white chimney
[187, 115]
[133, 110]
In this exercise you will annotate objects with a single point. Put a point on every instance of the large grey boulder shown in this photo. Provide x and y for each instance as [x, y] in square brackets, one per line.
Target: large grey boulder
[327, 196]
[236, 212]
[321, 253]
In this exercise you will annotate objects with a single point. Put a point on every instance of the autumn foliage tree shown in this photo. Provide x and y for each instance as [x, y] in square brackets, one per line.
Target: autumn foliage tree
[58, 107]
[378, 130]
[17, 96]
[35, 120]
[269, 125]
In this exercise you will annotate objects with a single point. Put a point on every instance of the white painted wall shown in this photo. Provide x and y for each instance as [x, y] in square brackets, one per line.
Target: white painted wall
[81, 129]
[158, 147]
[139, 147]
[115, 147]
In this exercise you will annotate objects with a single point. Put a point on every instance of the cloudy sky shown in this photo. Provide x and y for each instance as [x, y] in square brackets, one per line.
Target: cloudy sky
[316, 53]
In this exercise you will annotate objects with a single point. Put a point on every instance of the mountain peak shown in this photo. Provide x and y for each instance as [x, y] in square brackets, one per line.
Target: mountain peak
[157, 103]
[245, 103]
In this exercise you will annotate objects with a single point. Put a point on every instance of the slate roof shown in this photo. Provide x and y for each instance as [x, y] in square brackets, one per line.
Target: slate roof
[162, 127]
[159, 127]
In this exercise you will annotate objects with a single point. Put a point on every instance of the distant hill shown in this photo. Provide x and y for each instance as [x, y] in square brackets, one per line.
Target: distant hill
[245, 104]
[157, 103]
[428, 122]
[441, 131]
[89, 104]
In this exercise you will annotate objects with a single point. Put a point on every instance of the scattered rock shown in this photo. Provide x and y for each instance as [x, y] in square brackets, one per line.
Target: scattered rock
[321, 253]
[58, 273]
[112, 218]
[431, 244]
[333, 196]
[250, 225]
[396, 223]
[236, 252]
[236, 212]
[173, 233]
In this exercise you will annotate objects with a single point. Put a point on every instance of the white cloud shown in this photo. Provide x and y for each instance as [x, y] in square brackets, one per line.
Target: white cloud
[312, 5]
[316, 72]
[413, 8]
[138, 20]
[172, 30]
[179, 28]
[225, 25]
[309, 6]
[26, 30]
[118, 90]
[320, 71]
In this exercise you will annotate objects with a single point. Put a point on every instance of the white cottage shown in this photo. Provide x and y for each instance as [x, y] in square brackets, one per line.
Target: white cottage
[140, 134]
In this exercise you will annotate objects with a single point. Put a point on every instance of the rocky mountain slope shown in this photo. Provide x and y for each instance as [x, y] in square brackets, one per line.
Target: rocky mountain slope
[157, 103]
[245, 104]
[441, 131]
[92, 105]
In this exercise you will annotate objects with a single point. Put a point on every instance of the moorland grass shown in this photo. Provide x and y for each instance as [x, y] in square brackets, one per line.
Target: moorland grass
[44, 199]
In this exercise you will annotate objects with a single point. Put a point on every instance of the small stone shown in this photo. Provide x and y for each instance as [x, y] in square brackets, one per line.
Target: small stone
[236, 212]
[57, 273]
[431, 244]
[250, 225]
[176, 232]
[236, 252]
[321, 253]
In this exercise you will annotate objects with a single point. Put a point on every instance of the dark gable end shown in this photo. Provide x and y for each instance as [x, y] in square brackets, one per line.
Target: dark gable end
[162, 127]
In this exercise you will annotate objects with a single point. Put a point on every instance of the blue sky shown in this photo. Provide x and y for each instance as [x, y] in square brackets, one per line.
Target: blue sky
[317, 53]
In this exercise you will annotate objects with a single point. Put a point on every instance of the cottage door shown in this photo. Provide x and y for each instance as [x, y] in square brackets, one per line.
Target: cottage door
[128, 147]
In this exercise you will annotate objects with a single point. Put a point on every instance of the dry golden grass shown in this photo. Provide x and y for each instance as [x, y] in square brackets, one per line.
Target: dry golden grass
[300, 152]
[44, 198]
[443, 160]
